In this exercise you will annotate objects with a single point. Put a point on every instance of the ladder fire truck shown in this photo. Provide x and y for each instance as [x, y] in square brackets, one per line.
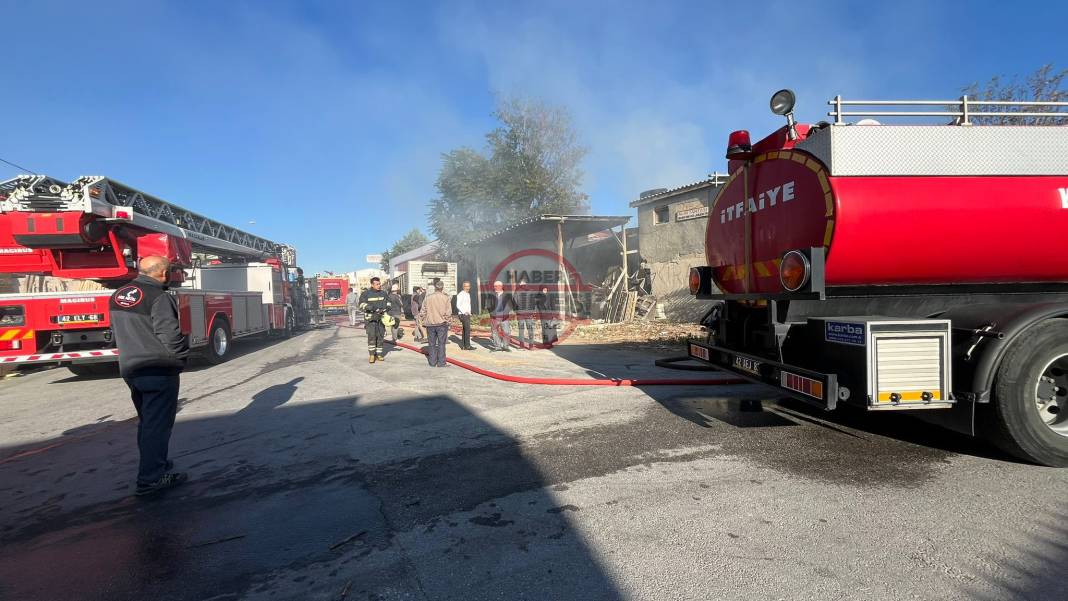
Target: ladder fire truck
[919, 266]
[229, 284]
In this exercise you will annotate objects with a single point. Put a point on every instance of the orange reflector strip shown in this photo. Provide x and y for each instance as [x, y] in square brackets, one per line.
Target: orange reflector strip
[806, 386]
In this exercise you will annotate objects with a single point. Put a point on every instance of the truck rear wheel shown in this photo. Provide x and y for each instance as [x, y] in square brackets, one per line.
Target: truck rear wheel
[218, 349]
[1031, 396]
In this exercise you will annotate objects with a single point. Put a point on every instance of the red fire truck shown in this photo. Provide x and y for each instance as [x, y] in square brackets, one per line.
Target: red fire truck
[332, 291]
[916, 266]
[229, 284]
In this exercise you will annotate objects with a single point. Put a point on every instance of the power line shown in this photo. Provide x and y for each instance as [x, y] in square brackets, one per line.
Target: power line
[19, 167]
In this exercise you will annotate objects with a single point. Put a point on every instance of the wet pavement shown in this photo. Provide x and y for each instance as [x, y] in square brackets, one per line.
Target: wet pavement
[317, 476]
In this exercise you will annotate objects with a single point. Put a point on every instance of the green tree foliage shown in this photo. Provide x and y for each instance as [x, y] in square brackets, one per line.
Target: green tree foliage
[1046, 84]
[411, 241]
[531, 167]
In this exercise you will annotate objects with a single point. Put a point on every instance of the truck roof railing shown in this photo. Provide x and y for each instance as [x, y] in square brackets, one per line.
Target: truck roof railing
[963, 110]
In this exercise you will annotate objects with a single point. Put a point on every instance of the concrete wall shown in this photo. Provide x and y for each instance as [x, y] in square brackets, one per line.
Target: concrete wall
[671, 248]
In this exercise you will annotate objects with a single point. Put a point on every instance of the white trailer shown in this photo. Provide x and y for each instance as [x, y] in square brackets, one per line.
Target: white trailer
[423, 274]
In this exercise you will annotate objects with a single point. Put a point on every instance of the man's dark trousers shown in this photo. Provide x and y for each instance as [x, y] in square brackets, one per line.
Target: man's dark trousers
[438, 335]
[156, 399]
[466, 321]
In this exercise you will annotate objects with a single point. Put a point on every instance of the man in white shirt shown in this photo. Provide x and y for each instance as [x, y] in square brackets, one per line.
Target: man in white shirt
[463, 309]
[351, 300]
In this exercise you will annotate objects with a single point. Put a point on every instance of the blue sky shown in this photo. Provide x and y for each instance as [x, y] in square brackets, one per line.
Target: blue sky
[324, 122]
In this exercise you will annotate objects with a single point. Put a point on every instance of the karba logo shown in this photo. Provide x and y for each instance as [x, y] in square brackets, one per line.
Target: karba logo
[845, 328]
[766, 199]
[129, 296]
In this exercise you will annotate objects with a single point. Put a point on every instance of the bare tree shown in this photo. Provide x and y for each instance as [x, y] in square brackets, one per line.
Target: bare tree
[1046, 84]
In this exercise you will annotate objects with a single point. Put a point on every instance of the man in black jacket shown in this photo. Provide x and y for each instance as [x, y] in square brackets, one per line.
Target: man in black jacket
[501, 305]
[525, 312]
[152, 354]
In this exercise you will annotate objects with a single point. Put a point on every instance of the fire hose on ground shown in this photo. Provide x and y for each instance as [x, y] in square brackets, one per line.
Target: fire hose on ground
[724, 381]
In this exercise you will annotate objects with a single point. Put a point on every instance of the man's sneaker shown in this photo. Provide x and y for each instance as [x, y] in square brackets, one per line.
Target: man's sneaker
[166, 481]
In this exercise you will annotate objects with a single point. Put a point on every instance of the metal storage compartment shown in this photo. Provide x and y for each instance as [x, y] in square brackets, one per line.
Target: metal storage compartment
[883, 362]
[251, 277]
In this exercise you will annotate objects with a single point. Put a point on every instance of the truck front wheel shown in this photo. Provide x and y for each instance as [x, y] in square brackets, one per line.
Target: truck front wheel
[218, 348]
[1031, 396]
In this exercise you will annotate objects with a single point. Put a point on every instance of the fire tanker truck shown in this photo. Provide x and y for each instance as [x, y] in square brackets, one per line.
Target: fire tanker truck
[229, 284]
[919, 266]
[332, 291]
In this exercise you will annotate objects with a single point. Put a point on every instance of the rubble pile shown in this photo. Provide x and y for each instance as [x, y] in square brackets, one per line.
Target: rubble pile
[656, 334]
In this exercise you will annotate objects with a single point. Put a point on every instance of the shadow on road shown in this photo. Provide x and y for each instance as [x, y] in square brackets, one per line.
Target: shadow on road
[339, 497]
[1036, 572]
[740, 406]
[197, 362]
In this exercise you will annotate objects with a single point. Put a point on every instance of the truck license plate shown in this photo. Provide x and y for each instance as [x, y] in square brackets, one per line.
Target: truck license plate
[82, 318]
[699, 351]
[747, 364]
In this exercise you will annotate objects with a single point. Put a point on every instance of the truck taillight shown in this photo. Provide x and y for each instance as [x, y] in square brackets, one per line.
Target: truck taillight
[701, 280]
[794, 270]
[10, 345]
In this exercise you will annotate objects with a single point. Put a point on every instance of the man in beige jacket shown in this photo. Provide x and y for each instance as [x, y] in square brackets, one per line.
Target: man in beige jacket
[435, 314]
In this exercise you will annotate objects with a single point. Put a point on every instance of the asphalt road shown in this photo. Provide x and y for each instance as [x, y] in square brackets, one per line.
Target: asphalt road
[317, 476]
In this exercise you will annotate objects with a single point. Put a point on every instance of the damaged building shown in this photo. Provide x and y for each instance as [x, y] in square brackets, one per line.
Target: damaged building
[581, 257]
[671, 235]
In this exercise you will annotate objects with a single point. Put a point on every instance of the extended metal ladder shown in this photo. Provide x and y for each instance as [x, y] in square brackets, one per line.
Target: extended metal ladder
[107, 198]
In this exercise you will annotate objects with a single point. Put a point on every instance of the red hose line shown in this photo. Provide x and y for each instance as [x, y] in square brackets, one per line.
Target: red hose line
[579, 382]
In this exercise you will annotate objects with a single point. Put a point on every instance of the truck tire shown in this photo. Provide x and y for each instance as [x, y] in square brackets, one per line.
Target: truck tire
[1030, 402]
[109, 369]
[219, 341]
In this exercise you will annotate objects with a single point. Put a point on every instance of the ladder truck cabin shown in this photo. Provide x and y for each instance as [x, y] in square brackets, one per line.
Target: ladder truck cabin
[229, 284]
[915, 267]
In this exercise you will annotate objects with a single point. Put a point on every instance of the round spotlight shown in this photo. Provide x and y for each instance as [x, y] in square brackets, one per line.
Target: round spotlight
[782, 102]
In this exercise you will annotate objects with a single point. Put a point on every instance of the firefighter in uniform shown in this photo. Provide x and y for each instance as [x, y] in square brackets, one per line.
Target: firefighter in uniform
[374, 303]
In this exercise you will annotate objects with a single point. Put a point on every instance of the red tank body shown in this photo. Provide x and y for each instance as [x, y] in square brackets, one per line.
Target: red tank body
[883, 230]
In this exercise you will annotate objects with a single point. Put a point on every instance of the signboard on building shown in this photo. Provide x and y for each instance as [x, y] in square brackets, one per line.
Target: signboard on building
[691, 210]
[374, 258]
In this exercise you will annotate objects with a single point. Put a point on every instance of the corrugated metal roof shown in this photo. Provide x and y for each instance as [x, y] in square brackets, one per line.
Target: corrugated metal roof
[715, 179]
[422, 251]
[599, 222]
